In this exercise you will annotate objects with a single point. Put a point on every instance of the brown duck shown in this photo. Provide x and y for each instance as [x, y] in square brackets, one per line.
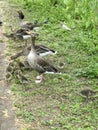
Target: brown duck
[41, 50]
[37, 62]
[19, 34]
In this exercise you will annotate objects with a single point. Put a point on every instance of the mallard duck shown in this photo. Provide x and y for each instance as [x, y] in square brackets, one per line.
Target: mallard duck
[26, 24]
[37, 62]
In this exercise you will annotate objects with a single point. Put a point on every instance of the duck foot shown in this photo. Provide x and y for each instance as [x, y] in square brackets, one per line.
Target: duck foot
[39, 78]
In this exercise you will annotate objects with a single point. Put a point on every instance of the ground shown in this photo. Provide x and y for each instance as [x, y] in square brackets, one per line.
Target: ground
[7, 110]
[55, 104]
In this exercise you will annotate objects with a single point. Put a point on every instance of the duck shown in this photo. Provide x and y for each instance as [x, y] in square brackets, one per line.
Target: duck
[21, 64]
[87, 93]
[23, 79]
[10, 68]
[20, 34]
[16, 55]
[19, 75]
[26, 24]
[21, 15]
[41, 50]
[37, 62]
[8, 76]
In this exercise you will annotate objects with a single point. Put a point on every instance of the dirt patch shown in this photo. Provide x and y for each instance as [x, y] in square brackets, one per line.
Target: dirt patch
[8, 119]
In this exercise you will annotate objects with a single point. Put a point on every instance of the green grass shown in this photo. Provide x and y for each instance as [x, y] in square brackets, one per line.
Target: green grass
[54, 104]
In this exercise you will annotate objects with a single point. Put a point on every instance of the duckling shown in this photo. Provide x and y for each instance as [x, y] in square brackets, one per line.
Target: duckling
[21, 15]
[37, 62]
[11, 35]
[8, 76]
[87, 93]
[22, 79]
[61, 65]
[16, 55]
[16, 73]
[9, 69]
[12, 63]
[21, 65]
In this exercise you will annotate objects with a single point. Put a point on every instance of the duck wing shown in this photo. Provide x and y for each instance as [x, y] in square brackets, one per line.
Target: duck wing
[44, 66]
[42, 48]
[28, 26]
[21, 30]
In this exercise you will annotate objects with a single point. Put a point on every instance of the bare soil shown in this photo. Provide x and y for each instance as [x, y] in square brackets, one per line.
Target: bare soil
[8, 119]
